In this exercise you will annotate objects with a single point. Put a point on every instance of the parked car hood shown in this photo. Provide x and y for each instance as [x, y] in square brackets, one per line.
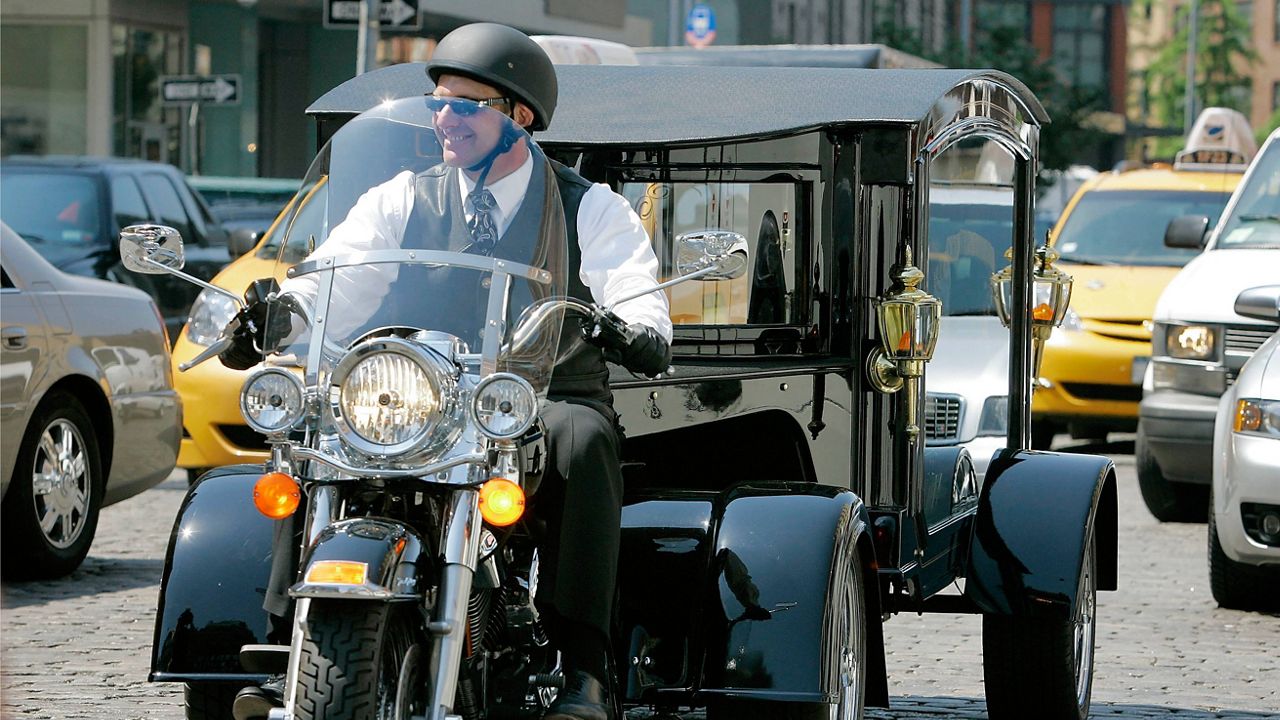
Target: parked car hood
[1108, 292]
[1206, 289]
[971, 358]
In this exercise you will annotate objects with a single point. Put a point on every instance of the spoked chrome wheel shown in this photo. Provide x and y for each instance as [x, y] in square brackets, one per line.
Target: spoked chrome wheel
[1084, 627]
[61, 486]
[849, 635]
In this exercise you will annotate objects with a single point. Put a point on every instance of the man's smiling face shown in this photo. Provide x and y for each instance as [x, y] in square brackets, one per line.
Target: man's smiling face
[466, 140]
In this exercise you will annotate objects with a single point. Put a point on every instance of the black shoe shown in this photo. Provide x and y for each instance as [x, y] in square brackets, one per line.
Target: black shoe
[255, 701]
[583, 698]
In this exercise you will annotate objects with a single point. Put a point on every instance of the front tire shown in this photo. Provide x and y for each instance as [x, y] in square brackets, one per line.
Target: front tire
[1168, 501]
[353, 655]
[50, 512]
[1042, 667]
[1238, 586]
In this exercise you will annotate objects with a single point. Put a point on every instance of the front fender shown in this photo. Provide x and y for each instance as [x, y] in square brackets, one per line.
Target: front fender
[389, 552]
[1035, 514]
[215, 577]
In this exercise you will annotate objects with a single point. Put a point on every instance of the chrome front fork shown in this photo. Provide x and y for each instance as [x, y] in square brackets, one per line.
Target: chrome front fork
[462, 526]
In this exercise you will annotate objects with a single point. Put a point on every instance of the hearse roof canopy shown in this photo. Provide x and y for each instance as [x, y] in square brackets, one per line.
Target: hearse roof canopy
[620, 105]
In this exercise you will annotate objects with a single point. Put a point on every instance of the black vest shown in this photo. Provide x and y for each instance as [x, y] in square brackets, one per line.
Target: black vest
[438, 218]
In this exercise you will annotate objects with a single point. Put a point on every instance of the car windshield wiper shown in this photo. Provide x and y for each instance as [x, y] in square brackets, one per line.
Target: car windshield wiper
[1260, 218]
[32, 238]
[972, 313]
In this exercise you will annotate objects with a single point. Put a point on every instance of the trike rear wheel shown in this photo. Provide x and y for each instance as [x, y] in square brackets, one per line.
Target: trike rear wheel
[1042, 667]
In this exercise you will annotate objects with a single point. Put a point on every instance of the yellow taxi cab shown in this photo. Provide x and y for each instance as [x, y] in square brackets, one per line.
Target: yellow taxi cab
[1111, 240]
[214, 432]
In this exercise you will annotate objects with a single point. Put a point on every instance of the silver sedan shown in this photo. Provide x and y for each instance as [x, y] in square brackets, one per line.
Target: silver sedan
[87, 408]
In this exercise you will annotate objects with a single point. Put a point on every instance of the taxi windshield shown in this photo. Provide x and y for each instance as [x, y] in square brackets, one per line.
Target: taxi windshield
[1126, 227]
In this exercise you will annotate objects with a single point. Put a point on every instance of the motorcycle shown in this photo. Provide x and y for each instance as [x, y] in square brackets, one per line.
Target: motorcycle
[404, 370]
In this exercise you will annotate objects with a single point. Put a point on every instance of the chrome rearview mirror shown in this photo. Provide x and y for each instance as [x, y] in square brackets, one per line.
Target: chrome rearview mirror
[722, 254]
[157, 250]
[151, 249]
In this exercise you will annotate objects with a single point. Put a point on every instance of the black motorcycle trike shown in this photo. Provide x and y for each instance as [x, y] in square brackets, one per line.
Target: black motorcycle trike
[781, 502]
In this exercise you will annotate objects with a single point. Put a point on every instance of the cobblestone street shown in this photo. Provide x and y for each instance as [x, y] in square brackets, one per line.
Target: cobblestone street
[80, 647]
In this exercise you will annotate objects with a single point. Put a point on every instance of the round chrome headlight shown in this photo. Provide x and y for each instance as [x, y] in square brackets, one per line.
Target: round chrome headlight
[272, 400]
[503, 406]
[389, 394]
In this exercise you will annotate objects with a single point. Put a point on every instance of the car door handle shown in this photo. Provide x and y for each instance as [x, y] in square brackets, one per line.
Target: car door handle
[15, 338]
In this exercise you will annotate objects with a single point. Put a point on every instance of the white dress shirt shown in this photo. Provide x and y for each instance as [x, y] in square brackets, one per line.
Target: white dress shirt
[617, 256]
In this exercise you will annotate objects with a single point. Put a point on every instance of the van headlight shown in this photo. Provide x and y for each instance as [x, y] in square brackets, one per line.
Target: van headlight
[503, 406]
[209, 314]
[388, 395]
[1191, 342]
[272, 400]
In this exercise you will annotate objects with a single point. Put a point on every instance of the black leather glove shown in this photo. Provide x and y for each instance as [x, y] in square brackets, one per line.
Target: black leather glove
[251, 335]
[247, 337]
[638, 348]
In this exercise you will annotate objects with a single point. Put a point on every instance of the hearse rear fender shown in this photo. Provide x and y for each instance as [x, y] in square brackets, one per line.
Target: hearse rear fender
[1035, 513]
[743, 578]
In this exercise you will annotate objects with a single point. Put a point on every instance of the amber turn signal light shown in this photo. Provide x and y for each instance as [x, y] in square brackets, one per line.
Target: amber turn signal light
[276, 495]
[338, 572]
[501, 502]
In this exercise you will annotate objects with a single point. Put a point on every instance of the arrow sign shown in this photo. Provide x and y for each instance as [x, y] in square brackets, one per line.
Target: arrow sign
[392, 14]
[212, 89]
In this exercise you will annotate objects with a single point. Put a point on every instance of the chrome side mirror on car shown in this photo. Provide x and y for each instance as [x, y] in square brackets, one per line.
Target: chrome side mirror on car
[722, 254]
[151, 249]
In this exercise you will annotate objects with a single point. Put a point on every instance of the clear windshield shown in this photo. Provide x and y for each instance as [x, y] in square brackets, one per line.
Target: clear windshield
[1126, 227]
[386, 241]
[1255, 220]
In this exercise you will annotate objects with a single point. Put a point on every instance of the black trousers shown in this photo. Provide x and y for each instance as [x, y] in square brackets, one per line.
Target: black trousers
[580, 500]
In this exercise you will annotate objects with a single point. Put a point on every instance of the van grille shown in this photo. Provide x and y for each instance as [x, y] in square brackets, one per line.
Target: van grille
[942, 416]
[1245, 341]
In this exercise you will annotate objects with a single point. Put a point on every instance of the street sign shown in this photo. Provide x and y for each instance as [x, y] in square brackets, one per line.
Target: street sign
[208, 89]
[393, 15]
[700, 25]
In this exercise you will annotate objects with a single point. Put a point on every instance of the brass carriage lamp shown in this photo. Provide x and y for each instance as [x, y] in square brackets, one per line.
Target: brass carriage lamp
[1050, 297]
[908, 319]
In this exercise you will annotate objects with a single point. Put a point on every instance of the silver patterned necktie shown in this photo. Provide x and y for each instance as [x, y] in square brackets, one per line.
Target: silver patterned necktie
[484, 233]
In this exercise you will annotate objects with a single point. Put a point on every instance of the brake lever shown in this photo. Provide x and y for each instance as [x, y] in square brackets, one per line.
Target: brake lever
[222, 343]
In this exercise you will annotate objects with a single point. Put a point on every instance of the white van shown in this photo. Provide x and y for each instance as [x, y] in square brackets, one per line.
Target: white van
[1199, 343]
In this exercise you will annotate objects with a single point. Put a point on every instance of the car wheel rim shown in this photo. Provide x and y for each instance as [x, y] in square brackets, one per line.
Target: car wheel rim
[850, 629]
[61, 484]
[1083, 626]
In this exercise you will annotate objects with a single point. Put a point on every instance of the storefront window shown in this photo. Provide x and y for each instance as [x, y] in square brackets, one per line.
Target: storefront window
[43, 89]
[141, 125]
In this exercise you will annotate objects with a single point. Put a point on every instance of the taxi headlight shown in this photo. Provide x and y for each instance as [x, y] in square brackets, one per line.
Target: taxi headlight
[1191, 342]
[272, 400]
[503, 406]
[209, 314]
[388, 394]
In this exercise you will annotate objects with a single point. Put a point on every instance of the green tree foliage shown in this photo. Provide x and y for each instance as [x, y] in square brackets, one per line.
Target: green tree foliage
[1006, 48]
[1222, 50]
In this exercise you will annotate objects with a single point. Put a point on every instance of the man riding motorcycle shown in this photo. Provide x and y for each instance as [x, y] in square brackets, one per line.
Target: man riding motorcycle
[485, 175]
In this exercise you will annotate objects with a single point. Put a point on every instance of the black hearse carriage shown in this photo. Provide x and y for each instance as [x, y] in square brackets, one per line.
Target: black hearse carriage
[780, 503]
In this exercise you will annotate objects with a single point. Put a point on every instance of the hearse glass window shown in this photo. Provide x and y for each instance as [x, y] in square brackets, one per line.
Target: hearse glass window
[763, 213]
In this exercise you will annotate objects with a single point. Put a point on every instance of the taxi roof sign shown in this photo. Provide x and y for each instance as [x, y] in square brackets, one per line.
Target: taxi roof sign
[1220, 139]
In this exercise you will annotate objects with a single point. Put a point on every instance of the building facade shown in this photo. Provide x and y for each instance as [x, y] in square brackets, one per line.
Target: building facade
[84, 76]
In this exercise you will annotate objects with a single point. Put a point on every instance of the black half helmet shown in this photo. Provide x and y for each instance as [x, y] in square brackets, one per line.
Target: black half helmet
[503, 57]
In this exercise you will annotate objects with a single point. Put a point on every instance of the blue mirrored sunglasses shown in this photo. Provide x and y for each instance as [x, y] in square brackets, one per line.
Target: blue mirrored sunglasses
[464, 106]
